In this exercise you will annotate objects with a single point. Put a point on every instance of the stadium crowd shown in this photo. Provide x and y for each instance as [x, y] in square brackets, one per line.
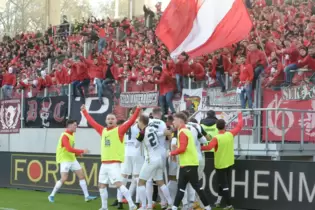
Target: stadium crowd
[279, 50]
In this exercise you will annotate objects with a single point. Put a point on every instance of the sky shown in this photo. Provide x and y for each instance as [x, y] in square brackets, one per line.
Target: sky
[95, 3]
[2, 4]
[95, 8]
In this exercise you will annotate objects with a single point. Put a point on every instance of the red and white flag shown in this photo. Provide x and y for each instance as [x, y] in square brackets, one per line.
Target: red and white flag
[198, 27]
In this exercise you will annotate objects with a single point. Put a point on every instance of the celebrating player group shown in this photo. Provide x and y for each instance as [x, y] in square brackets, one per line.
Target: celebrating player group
[142, 148]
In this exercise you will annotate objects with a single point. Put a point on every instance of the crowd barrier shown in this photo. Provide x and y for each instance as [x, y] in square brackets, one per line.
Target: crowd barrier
[283, 119]
[255, 184]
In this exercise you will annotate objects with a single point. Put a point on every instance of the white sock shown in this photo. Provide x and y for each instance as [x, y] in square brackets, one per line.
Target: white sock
[174, 208]
[56, 188]
[149, 191]
[132, 187]
[137, 191]
[191, 193]
[185, 199]
[208, 208]
[104, 197]
[172, 187]
[142, 196]
[84, 188]
[162, 197]
[119, 196]
[166, 194]
[219, 199]
[124, 191]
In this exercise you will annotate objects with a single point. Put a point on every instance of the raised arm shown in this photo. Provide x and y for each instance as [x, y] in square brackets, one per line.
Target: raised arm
[122, 129]
[239, 125]
[99, 128]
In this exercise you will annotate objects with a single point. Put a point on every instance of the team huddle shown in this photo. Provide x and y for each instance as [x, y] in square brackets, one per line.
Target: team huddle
[142, 148]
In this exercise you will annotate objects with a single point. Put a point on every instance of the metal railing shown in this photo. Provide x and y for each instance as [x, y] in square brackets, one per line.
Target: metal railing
[265, 125]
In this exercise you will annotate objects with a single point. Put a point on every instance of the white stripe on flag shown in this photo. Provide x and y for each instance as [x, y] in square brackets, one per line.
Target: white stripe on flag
[210, 14]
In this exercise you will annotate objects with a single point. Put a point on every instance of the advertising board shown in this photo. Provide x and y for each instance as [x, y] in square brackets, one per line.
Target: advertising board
[255, 184]
[294, 122]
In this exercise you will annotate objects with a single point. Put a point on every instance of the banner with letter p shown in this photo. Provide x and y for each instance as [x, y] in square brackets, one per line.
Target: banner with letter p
[133, 99]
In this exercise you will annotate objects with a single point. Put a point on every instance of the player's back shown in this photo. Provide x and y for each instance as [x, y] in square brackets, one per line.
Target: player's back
[151, 143]
[160, 127]
[196, 133]
[196, 125]
[131, 140]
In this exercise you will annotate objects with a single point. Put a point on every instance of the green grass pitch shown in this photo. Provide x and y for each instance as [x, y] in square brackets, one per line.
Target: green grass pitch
[33, 200]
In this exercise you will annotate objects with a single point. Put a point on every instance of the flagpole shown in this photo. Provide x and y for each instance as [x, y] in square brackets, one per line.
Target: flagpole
[261, 45]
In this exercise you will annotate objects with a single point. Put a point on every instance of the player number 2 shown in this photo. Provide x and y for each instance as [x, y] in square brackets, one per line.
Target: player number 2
[152, 139]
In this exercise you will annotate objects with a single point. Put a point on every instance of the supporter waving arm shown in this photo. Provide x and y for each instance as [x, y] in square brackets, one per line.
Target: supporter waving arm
[99, 128]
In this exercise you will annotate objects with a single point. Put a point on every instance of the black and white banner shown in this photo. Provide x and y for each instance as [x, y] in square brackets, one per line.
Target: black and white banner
[94, 108]
[266, 185]
[227, 99]
[48, 112]
[133, 99]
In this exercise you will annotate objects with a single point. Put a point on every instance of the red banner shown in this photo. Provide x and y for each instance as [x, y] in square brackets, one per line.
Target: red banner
[292, 120]
[10, 115]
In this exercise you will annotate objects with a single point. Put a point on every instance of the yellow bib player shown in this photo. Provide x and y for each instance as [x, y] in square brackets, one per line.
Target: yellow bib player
[112, 154]
[188, 162]
[66, 157]
[223, 145]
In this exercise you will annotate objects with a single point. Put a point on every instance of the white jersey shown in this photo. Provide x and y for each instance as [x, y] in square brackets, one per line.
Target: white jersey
[160, 127]
[130, 142]
[151, 144]
[198, 137]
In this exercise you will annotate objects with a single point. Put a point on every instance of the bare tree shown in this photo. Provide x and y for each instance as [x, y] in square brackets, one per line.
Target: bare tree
[75, 9]
[107, 9]
[7, 20]
[23, 15]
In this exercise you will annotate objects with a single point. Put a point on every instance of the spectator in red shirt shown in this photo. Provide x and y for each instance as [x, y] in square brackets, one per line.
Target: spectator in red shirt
[274, 74]
[181, 69]
[82, 80]
[245, 86]
[258, 61]
[101, 35]
[45, 81]
[110, 76]
[220, 64]
[167, 88]
[197, 74]
[8, 82]
[96, 72]
[63, 78]
[291, 68]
